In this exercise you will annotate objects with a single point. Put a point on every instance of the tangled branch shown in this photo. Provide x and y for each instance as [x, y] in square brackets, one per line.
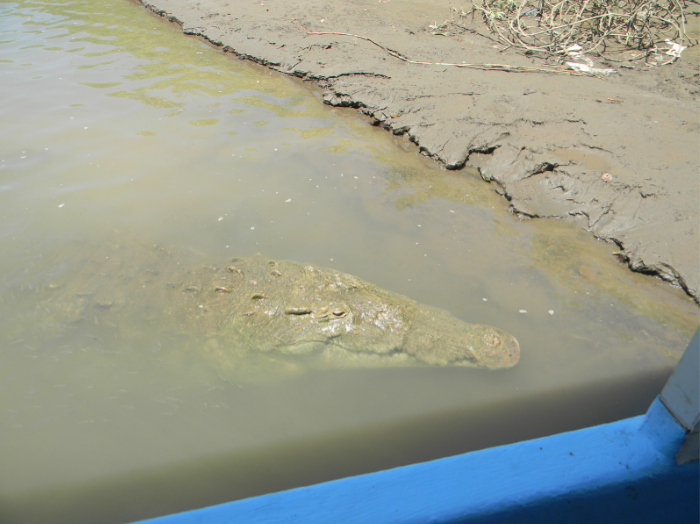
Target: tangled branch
[553, 27]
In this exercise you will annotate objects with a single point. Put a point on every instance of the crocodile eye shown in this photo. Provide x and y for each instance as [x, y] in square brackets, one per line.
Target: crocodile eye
[492, 339]
[338, 313]
[297, 311]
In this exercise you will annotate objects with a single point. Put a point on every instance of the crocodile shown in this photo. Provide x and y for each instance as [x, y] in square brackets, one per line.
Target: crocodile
[277, 308]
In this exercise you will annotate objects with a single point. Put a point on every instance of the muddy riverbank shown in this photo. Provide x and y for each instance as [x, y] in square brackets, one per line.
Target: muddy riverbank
[616, 155]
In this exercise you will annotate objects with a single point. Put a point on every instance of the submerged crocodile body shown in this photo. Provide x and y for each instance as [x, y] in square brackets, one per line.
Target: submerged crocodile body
[280, 308]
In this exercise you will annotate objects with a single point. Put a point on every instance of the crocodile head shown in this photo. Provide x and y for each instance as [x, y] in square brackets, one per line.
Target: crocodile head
[290, 309]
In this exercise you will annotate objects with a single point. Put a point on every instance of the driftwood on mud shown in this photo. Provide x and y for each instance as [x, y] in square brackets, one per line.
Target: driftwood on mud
[483, 67]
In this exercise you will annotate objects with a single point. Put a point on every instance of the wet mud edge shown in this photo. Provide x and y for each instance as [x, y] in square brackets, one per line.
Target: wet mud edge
[617, 156]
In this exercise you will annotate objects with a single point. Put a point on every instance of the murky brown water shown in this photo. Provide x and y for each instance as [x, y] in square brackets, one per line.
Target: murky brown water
[116, 129]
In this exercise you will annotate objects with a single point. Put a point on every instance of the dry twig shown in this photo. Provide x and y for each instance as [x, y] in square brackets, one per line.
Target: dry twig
[485, 67]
